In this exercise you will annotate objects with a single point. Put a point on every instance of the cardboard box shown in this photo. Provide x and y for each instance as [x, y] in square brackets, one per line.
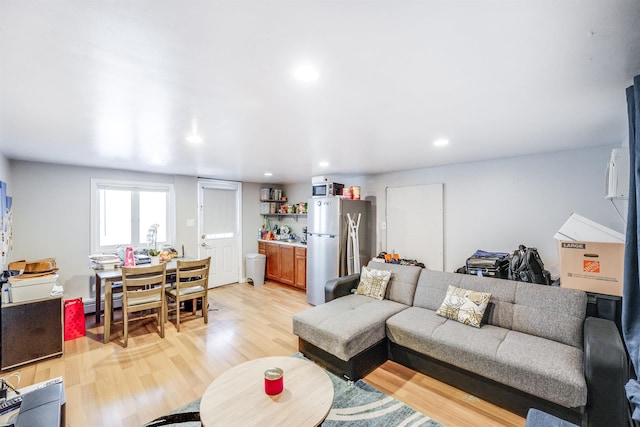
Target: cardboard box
[592, 266]
[582, 229]
[591, 256]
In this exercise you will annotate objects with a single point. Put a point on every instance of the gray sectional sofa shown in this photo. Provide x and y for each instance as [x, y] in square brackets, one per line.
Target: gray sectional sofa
[535, 347]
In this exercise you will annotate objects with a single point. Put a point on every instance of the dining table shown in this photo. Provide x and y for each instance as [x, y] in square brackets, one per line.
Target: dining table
[108, 278]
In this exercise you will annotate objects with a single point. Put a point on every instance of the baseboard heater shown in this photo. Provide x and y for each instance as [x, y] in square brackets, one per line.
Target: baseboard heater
[90, 304]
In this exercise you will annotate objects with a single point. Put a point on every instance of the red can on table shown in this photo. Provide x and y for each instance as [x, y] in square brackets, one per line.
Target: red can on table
[273, 381]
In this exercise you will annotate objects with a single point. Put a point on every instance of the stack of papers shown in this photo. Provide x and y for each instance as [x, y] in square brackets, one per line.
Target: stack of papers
[104, 261]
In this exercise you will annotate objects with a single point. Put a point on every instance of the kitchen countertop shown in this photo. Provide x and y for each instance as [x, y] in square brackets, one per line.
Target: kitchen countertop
[285, 242]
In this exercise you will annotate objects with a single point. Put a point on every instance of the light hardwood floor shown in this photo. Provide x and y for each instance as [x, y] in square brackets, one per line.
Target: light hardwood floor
[108, 385]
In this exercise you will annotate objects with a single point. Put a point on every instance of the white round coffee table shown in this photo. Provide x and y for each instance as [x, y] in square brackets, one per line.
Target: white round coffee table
[237, 396]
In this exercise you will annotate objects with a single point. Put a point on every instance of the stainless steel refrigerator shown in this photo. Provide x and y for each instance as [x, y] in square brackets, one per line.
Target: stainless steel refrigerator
[327, 240]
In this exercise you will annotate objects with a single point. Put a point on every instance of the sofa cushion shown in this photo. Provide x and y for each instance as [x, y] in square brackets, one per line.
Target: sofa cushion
[543, 368]
[402, 285]
[538, 366]
[550, 312]
[464, 306]
[432, 288]
[422, 330]
[503, 296]
[433, 285]
[347, 325]
[373, 282]
[524, 307]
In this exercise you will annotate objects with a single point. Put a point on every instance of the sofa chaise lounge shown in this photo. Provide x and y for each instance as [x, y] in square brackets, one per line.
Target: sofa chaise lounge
[534, 348]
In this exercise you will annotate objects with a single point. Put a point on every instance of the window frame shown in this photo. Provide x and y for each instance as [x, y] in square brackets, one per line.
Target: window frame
[137, 186]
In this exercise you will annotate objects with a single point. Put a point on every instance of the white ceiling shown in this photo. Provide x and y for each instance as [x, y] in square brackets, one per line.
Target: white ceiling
[121, 83]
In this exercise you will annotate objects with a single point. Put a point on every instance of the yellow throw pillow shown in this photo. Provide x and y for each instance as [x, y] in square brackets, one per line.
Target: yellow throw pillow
[373, 283]
[464, 306]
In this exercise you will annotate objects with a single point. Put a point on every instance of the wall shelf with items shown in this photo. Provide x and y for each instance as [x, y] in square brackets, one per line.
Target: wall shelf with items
[270, 207]
[273, 203]
[295, 216]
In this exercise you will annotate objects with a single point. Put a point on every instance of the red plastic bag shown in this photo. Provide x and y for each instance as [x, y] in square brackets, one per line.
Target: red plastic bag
[74, 326]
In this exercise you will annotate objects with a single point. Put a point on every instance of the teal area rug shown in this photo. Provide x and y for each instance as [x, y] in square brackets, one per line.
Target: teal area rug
[361, 405]
[354, 404]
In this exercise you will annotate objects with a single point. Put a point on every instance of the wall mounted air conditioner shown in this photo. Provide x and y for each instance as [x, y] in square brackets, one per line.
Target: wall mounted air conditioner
[617, 177]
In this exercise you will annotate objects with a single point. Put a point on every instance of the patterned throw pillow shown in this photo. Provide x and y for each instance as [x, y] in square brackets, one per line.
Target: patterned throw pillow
[464, 306]
[373, 283]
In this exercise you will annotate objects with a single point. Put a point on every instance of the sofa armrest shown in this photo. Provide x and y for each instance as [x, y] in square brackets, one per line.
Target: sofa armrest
[606, 372]
[341, 286]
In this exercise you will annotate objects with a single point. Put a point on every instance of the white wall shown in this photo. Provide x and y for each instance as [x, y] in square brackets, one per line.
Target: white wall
[51, 217]
[497, 205]
[186, 188]
[251, 219]
[490, 205]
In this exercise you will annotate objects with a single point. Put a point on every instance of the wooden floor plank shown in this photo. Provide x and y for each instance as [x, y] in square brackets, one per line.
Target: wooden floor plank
[108, 385]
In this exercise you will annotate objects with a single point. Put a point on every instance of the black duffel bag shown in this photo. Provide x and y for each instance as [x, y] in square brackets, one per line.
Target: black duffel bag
[527, 266]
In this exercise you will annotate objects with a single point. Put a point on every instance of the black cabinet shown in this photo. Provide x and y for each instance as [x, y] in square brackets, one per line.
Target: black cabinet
[31, 330]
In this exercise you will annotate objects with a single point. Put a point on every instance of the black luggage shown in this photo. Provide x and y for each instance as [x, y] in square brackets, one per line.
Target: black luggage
[489, 264]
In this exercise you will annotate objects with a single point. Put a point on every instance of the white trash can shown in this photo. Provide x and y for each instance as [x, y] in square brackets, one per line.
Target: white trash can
[256, 264]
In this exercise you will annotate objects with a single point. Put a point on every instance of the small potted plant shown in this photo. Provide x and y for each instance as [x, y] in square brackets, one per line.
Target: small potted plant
[155, 256]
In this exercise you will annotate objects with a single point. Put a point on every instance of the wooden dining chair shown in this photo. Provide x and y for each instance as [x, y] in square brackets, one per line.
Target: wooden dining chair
[143, 289]
[192, 282]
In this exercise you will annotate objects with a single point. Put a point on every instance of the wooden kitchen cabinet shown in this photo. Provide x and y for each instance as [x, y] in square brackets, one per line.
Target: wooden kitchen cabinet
[300, 280]
[273, 261]
[285, 263]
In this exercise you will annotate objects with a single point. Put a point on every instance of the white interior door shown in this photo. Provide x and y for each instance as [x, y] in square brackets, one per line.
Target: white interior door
[219, 229]
[415, 223]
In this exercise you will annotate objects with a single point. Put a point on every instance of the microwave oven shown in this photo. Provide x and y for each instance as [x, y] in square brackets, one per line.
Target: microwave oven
[327, 189]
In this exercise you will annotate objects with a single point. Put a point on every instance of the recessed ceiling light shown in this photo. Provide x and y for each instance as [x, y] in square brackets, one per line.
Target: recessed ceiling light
[157, 161]
[323, 164]
[306, 73]
[441, 142]
[194, 138]
[268, 174]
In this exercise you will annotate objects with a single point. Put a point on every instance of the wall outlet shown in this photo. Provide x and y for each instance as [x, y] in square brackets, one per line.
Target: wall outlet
[191, 223]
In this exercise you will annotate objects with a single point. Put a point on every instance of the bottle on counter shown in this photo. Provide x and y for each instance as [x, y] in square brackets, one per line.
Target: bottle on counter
[5, 294]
